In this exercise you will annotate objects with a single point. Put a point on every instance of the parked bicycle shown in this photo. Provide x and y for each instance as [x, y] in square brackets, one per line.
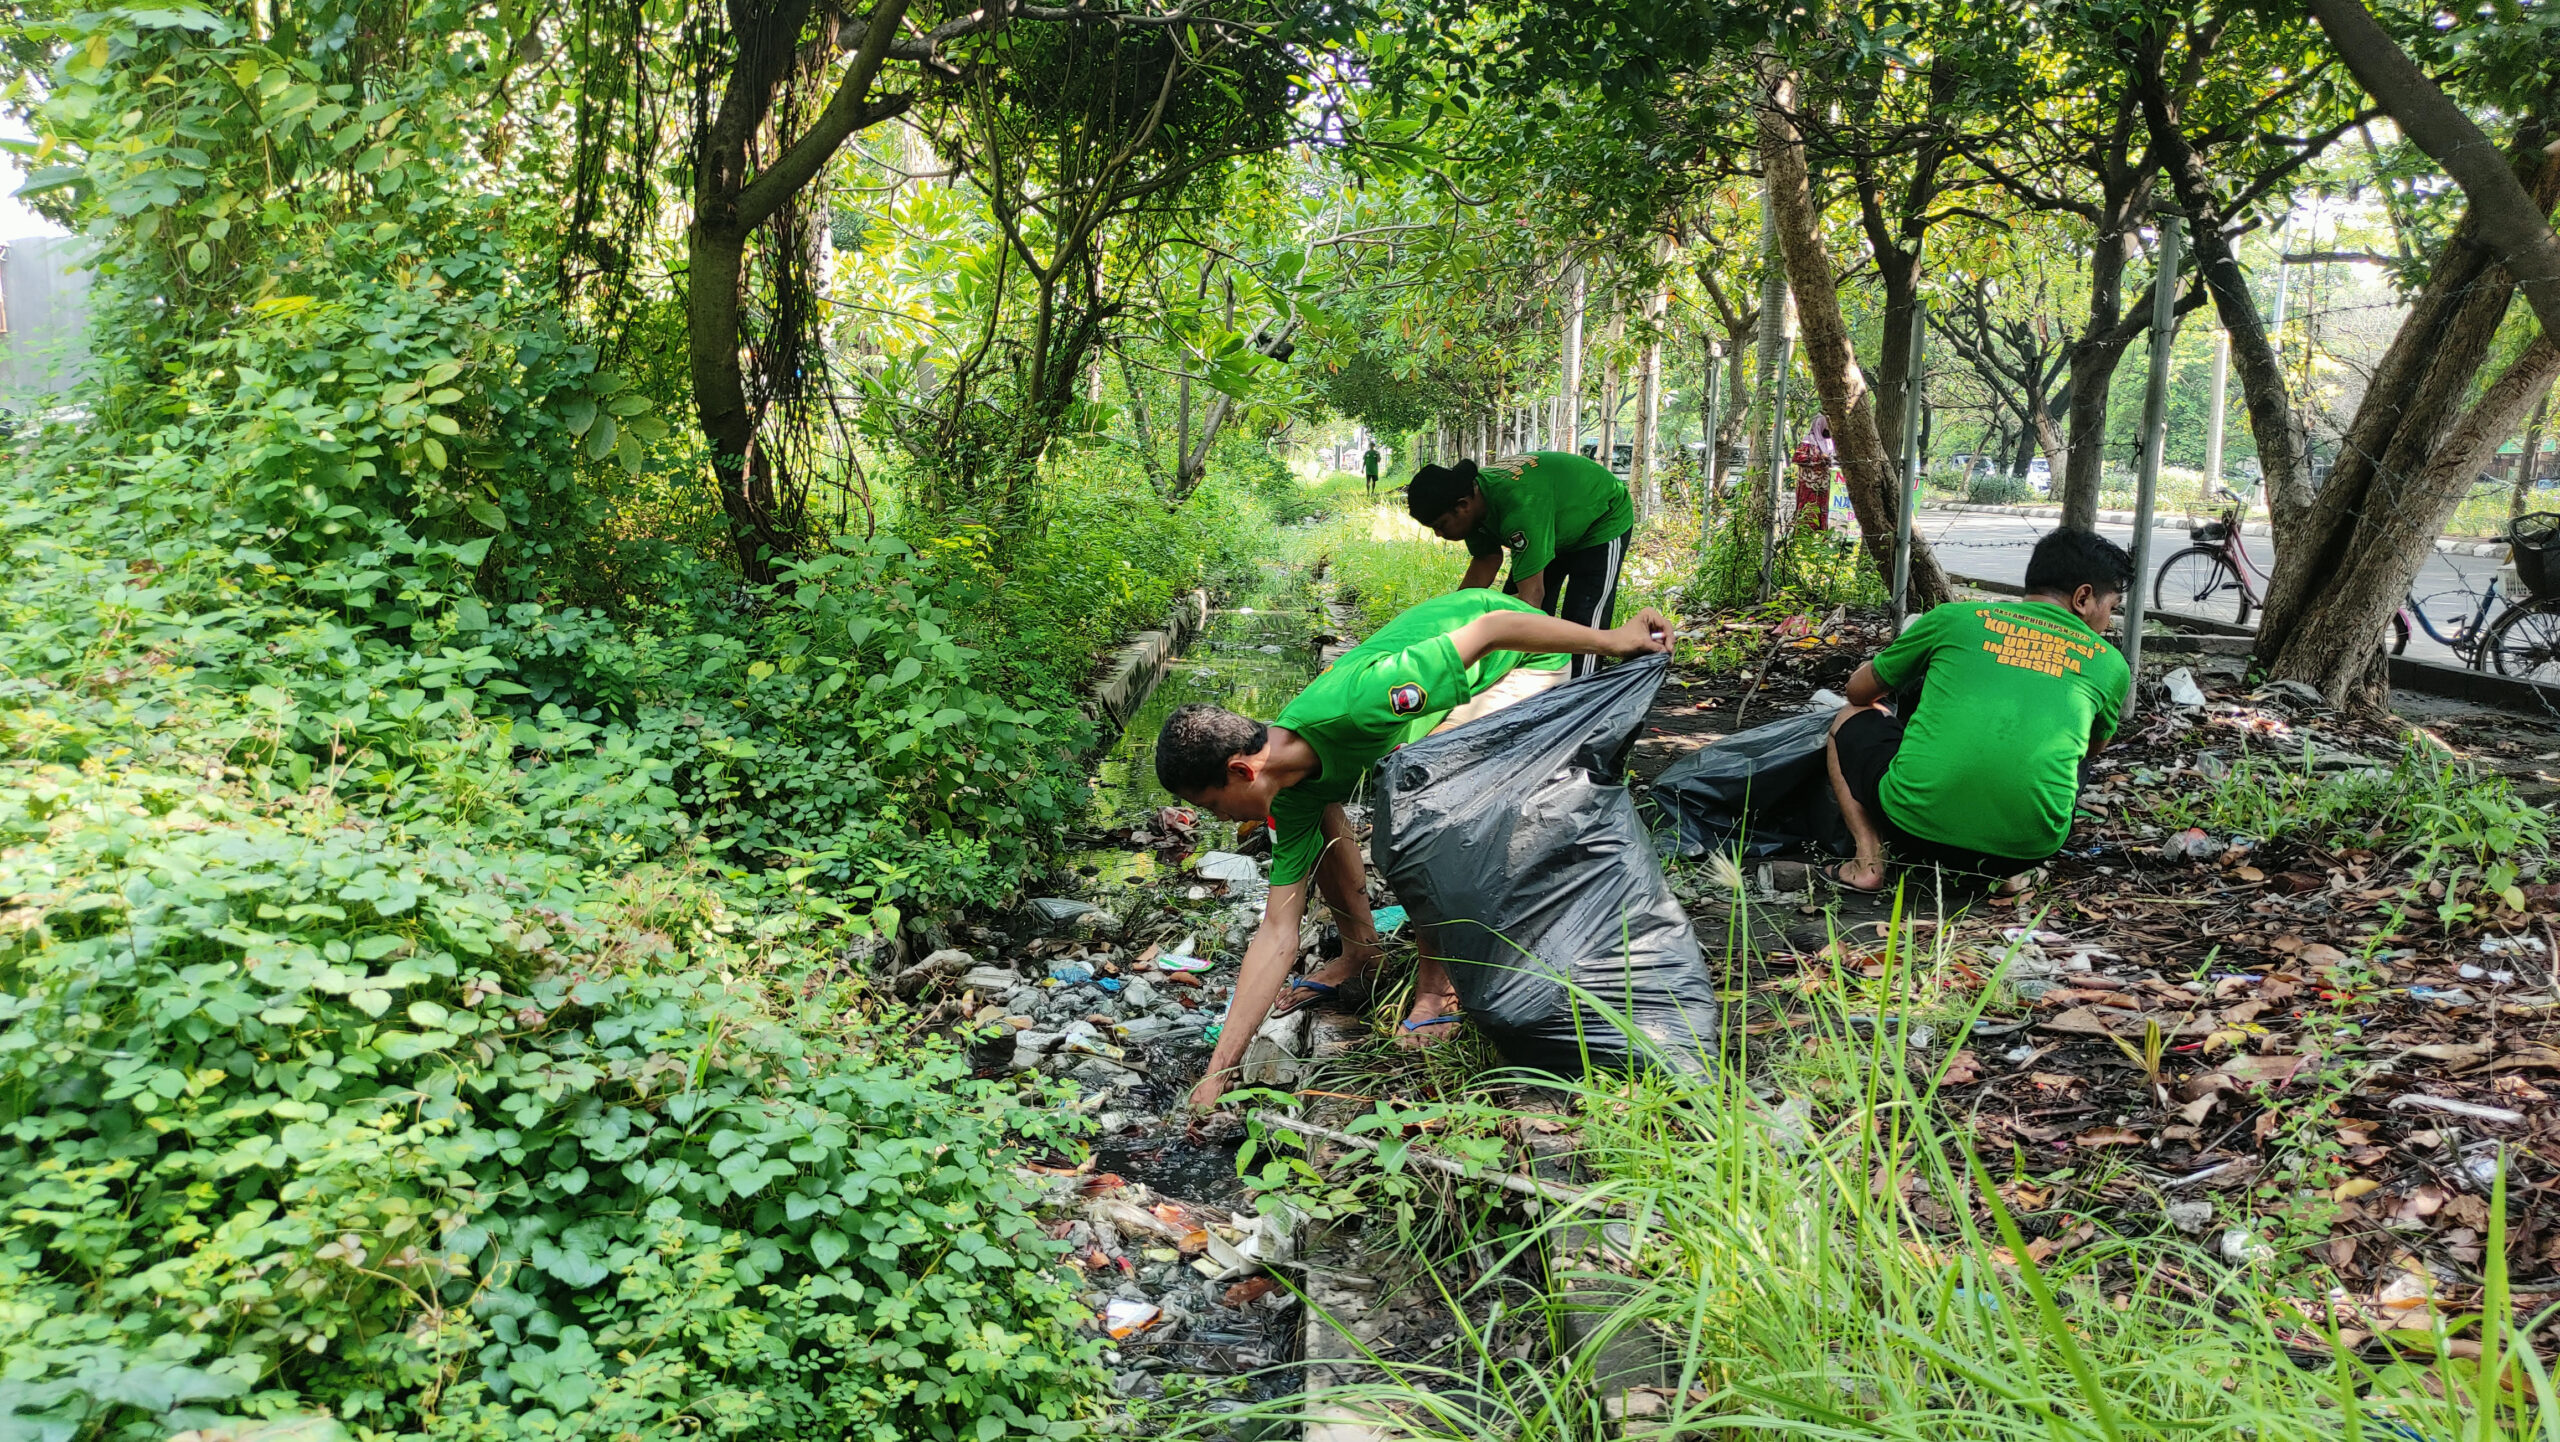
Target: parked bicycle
[2216, 579]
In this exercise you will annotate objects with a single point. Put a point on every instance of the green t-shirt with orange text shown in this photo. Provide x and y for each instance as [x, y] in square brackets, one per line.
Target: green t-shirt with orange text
[2014, 695]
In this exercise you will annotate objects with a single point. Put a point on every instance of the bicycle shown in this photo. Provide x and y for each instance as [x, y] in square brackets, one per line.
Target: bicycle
[2216, 579]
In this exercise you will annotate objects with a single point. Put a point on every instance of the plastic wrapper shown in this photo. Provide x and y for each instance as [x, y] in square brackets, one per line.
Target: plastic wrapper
[1756, 793]
[1513, 840]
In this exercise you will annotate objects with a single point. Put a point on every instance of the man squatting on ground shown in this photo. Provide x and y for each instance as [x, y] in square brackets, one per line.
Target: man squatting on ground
[1564, 518]
[1981, 774]
[1441, 664]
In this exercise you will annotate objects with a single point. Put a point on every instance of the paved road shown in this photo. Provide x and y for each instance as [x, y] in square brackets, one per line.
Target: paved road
[1995, 548]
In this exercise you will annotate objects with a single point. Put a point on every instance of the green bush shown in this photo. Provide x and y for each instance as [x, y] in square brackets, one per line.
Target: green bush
[1809, 568]
[455, 1142]
[1994, 488]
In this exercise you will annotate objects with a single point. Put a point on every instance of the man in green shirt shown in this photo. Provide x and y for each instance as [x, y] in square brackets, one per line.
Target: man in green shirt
[1442, 663]
[1564, 518]
[1981, 773]
[1369, 466]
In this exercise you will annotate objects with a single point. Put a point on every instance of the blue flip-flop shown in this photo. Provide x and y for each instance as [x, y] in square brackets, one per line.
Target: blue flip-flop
[1301, 992]
[1444, 1019]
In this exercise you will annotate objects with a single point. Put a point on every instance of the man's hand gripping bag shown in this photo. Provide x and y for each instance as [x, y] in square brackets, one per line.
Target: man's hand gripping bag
[1513, 838]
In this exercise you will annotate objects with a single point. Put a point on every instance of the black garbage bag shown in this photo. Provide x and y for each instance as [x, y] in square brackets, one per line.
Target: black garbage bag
[1514, 839]
[1761, 792]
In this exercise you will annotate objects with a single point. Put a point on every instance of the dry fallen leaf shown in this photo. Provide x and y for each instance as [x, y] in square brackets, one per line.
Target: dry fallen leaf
[2354, 1187]
[2322, 954]
[1963, 1069]
[2193, 1113]
[2108, 1137]
[2250, 873]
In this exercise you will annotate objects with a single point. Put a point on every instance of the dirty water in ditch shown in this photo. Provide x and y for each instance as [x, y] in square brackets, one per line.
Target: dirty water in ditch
[1255, 654]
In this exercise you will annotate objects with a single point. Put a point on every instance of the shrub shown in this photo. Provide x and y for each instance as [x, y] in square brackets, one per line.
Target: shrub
[450, 1141]
[1993, 488]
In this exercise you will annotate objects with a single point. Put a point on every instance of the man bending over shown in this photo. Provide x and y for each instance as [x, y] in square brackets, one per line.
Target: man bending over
[1981, 777]
[1564, 519]
[1444, 662]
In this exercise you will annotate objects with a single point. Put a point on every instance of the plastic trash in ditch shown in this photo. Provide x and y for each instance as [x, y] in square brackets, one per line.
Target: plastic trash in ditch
[1515, 839]
[2182, 688]
[1060, 908]
[1180, 963]
[1389, 919]
[1761, 791]
[1123, 1318]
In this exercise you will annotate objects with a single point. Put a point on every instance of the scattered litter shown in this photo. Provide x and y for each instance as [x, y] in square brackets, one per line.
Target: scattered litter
[2420, 1101]
[2191, 1217]
[2240, 1247]
[1826, 699]
[2182, 688]
[1059, 908]
[2443, 995]
[1389, 919]
[1124, 1318]
[1109, 983]
[1228, 867]
[1180, 963]
[1070, 973]
[2502, 945]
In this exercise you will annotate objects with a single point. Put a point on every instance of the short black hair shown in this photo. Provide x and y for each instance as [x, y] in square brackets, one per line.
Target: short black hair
[1193, 747]
[1438, 490]
[2067, 560]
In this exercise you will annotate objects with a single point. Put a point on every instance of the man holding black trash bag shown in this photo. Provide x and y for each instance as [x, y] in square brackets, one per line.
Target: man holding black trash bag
[1442, 663]
[1981, 777]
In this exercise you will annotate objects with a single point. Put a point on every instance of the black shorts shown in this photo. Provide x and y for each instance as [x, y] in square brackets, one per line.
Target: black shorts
[1582, 587]
[1867, 744]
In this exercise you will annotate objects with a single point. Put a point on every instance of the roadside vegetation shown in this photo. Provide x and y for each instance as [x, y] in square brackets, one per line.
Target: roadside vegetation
[567, 592]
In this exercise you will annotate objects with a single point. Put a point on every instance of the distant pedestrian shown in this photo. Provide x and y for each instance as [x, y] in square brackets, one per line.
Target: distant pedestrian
[1564, 518]
[1369, 467]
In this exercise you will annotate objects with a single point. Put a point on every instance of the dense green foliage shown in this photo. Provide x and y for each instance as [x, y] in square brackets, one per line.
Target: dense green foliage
[440, 893]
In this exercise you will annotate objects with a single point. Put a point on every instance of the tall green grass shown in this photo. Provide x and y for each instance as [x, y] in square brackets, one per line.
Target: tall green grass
[1855, 1271]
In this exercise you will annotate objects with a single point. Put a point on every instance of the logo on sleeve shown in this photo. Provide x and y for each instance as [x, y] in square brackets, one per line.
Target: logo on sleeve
[1515, 540]
[1406, 699]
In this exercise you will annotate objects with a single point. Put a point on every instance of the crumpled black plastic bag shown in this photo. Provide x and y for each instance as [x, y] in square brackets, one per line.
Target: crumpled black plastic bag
[1514, 839]
[1758, 792]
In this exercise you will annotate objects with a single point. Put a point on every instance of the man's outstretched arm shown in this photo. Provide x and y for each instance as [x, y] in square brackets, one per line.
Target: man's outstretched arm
[1650, 631]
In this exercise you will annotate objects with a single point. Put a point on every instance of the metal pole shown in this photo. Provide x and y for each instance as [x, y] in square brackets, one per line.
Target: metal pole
[2213, 432]
[1912, 385]
[1779, 515]
[2155, 435]
[1707, 492]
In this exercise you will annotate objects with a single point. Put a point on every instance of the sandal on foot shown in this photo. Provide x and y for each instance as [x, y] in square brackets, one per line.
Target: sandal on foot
[1414, 1035]
[1832, 874]
[1300, 992]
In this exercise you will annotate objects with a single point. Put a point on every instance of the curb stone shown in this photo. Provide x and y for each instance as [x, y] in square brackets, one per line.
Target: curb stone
[2445, 545]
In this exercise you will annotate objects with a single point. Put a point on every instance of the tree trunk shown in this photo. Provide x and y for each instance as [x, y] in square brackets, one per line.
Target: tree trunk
[1641, 478]
[2094, 357]
[2335, 646]
[2284, 467]
[1866, 465]
[2409, 403]
[2409, 456]
[729, 205]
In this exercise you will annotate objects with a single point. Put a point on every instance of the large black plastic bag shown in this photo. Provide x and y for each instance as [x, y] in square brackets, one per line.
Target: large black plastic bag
[1762, 791]
[1514, 839]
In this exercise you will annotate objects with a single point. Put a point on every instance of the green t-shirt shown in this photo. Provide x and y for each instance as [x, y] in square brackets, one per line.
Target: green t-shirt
[1546, 502]
[2014, 694]
[1390, 689]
